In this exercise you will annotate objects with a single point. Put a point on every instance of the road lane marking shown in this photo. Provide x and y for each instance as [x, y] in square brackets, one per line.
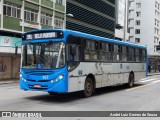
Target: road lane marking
[142, 86]
[137, 87]
[155, 82]
[146, 80]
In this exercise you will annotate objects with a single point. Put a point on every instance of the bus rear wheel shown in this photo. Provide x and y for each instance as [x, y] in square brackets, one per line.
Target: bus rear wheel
[131, 80]
[88, 87]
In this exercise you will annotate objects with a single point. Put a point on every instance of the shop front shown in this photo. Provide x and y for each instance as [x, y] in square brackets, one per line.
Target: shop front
[154, 63]
[9, 62]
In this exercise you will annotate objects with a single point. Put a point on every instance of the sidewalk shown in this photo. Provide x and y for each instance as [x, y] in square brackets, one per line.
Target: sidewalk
[9, 81]
[153, 73]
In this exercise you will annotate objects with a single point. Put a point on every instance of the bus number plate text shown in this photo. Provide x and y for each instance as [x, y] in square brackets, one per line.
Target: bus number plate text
[37, 86]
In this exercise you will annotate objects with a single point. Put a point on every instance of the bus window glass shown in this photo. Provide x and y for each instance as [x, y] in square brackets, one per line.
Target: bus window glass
[137, 54]
[140, 55]
[120, 52]
[73, 52]
[74, 48]
[110, 52]
[47, 55]
[90, 52]
[143, 55]
[115, 54]
[124, 54]
[131, 54]
[103, 51]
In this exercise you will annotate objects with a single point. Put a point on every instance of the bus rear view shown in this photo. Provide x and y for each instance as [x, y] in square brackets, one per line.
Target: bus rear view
[43, 61]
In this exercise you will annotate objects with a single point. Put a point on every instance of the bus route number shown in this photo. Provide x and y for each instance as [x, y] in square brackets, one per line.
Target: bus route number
[45, 77]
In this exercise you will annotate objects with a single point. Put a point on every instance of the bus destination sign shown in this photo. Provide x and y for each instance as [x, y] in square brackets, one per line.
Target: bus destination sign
[43, 35]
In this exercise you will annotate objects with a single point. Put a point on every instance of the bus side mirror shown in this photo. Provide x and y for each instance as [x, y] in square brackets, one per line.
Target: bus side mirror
[16, 50]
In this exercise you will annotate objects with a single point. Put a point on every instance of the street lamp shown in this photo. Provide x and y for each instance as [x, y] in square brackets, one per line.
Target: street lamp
[65, 16]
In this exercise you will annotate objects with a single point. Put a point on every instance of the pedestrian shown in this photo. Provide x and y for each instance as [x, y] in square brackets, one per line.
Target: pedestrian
[159, 68]
[149, 68]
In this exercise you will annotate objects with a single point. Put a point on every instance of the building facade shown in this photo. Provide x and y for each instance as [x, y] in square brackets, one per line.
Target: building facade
[121, 32]
[144, 26]
[18, 16]
[93, 17]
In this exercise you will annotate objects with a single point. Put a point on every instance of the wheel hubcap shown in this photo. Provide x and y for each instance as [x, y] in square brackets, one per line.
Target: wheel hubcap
[89, 87]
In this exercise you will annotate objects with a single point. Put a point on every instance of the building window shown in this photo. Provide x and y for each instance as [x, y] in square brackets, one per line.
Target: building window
[156, 31]
[59, 2]
[46, 19]
[31, 15]
[137, 22]
[157, 13]
[138, 5]
[157, 5]
[138, 14]
[156, 40]
[137, 40]
[12, 11]
[58, 23]
[156, 23]
[137, 31]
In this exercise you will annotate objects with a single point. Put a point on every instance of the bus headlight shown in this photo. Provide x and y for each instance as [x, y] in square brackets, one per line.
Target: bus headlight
[52, 81]
[59, 78]
[23, 79]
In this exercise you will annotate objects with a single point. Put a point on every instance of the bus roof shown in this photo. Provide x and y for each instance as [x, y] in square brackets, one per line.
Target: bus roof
[76, 33]
[85, 35]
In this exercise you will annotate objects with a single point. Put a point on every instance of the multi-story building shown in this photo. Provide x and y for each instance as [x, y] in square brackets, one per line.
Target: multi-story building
[94, 17]
[121, 32]
[144, 26]
[18, 16]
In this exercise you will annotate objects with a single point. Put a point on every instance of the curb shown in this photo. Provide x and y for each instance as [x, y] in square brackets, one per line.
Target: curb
[8, 82]
[153, 74]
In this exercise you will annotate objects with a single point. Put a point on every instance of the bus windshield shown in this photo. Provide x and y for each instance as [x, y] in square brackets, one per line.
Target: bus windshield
[48, 55]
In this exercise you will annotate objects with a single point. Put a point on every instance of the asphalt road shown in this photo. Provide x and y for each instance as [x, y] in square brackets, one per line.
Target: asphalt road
[144, 96]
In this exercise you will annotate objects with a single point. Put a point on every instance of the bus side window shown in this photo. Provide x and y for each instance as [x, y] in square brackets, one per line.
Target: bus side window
[91, 50]
[116, 53]
[140, 55]
[110, 52]
[74, 48]
[103, 51]
[137, 54]
[124, 54]
[120, 52]
[75, 52]
[143, 55]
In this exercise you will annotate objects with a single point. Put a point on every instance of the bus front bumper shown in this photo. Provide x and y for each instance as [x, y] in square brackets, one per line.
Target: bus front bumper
[48, 86]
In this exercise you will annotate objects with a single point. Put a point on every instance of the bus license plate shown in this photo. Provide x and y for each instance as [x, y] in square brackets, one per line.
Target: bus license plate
[37, 86]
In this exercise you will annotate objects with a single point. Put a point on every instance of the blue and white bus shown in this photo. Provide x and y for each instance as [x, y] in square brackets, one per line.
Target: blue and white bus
[63, 61]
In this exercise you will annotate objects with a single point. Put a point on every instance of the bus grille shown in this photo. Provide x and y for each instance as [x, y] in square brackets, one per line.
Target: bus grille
[38, 80]
[31, 80]
[45, 87]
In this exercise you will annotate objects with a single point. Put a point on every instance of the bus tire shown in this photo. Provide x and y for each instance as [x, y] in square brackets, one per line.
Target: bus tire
[88, 87]
[130, 80]
[52, 93]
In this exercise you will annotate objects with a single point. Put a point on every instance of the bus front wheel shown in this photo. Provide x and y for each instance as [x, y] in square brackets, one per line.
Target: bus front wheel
[88, 87]
[131, 80]
[52, 93]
